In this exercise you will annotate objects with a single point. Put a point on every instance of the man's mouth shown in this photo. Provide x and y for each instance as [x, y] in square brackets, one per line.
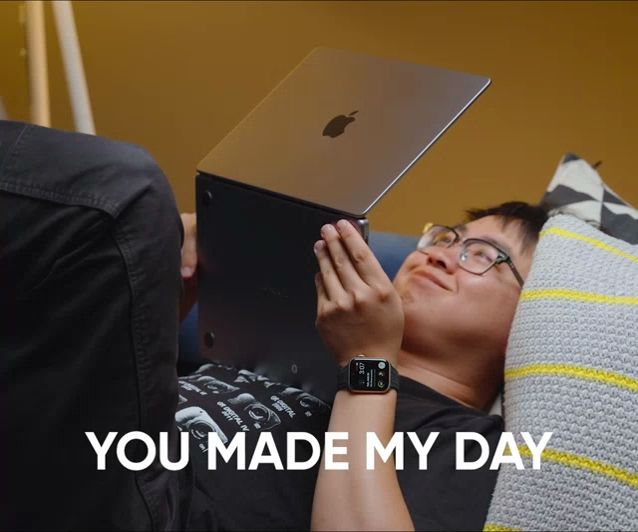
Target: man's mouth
[432, 277]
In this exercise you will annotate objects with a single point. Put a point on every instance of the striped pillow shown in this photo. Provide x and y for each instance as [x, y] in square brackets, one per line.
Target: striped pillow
[572, 369]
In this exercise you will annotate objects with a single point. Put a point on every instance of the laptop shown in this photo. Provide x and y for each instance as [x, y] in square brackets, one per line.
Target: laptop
[327, 143]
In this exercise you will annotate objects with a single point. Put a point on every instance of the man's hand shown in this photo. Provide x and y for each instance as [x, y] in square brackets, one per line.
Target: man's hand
[358, 312]
[358, 309]
[189, 263]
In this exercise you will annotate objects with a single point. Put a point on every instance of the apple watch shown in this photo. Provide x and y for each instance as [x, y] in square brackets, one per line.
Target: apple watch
[368, 375]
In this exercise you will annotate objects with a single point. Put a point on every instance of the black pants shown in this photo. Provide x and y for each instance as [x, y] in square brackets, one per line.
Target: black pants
[89, 287]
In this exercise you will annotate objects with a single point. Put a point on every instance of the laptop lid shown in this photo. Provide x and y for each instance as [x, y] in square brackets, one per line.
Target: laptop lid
[342, 128]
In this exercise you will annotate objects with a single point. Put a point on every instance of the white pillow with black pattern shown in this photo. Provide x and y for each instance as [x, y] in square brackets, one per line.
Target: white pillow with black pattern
[577, 189]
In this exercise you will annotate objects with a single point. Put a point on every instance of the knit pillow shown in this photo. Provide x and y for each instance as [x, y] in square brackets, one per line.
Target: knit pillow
[572, 369]
[577, 189]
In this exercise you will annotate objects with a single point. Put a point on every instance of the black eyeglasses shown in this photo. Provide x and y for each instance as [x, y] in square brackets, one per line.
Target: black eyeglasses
[476, 256]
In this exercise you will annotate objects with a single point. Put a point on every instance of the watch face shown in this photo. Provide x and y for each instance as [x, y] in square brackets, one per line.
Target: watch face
[369, 375]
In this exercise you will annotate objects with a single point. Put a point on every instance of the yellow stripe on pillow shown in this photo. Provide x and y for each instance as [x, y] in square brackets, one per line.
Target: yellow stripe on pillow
[574, 371]
[493, 527]
[592, 241]
[577, 295]
[582, 462]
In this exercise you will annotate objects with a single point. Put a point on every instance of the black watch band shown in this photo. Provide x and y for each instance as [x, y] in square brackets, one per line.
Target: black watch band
[368, 375]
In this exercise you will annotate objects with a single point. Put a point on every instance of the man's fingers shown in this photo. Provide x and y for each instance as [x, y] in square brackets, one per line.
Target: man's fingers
[189, 247]
[331, 283]
[189, 259]
[349, 277]
[362, 258]
[321, 291]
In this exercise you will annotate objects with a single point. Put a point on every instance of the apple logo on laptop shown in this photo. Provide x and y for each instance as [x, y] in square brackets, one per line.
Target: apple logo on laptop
[338, 124]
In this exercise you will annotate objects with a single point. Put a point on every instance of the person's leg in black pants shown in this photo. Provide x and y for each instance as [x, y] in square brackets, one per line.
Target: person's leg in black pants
[89, 288]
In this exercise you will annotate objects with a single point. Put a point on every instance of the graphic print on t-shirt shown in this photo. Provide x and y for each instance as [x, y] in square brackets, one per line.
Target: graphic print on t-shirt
[210, 384]
[226, 400]
[195, 420]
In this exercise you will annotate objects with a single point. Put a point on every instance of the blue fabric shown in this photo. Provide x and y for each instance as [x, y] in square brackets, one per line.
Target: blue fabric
[389, 248]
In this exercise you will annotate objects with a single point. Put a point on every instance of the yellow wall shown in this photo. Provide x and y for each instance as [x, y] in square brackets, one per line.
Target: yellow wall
[176, 76]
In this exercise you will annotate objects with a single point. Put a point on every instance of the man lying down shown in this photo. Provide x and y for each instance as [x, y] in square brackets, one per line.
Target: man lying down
[90, 262]
[443, 324]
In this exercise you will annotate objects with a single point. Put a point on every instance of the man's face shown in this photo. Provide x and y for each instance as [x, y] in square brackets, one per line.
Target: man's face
[446, 306]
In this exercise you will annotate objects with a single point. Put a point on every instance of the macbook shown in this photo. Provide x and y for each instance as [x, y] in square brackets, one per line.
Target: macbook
[327, 143]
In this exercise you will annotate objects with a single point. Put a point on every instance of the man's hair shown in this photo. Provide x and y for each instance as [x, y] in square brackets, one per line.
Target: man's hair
[529, 218]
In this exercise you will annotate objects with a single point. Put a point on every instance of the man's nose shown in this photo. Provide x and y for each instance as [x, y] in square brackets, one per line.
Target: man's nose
[444, 258]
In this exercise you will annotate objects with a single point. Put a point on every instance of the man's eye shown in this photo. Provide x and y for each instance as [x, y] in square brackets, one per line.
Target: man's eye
[483, 256]
[443, 240]
[479, 253]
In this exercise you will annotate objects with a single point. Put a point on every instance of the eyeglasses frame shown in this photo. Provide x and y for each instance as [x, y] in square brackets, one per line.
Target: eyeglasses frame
[502, 257]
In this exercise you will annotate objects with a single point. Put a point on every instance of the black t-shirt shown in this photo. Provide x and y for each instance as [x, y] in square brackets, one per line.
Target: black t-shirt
[226, 400]
[442, 498]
